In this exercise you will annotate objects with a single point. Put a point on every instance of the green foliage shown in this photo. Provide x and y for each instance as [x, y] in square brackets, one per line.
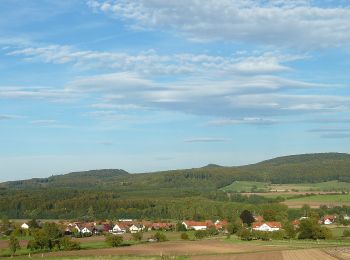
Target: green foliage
[137, 236]
[247, 217]
[46, 238]
[244, 234]
[290, 231]
[114, 240]
[180, 227]
[66, 243]
[212, 231]
[200, 234]
[346, 233]
[160, 237]
[184, 236]
[310, 229]
[14, 244]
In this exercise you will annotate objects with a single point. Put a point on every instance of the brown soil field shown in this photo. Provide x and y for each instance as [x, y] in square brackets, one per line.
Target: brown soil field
[203, 247]
[304, 254]
[290, 193]
[339, 252]
[309, 254]
[314, 204]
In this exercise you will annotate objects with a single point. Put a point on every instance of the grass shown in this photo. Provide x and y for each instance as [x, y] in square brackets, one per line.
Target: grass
[339, 198]
[247, 186]
[338, 231]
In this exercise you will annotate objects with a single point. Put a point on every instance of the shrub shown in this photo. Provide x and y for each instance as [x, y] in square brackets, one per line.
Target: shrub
[245, 234]
[200, 234]
[66, 243]
[160, 237]
[137, 236]
[184, 236]
[346, 233]
[212, 231]
[114, 240]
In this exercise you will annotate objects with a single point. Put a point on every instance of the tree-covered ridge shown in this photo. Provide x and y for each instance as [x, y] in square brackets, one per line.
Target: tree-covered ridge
[307, 168]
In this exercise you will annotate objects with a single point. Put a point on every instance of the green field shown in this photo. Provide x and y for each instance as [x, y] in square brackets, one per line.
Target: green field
[339, 198]
[251, 186]
[247, 186]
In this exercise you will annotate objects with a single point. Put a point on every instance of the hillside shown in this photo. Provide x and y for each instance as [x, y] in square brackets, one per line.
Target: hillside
[306, 168]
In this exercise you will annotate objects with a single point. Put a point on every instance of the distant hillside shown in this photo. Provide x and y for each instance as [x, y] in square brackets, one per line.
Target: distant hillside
[306, 168]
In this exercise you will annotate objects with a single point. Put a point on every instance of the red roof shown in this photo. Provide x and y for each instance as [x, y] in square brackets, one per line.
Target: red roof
[207, 223]
[330, 217]
[158, 225]
[296, 222]
[258, 218]
[271, 224]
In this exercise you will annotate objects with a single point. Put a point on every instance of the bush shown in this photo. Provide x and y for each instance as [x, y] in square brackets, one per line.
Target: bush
[67, 243]
[160, 237]
[114, 240]
[137, 236]
[200, 234]
[212, 231]
[346, 233]
[245, 234]
[184, 236]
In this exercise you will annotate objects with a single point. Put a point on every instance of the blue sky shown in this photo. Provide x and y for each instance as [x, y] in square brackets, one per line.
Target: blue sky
[148, 85]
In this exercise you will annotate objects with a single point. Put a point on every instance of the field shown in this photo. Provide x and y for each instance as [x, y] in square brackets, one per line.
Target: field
[320, 199]
[214, 248]
[261, 187]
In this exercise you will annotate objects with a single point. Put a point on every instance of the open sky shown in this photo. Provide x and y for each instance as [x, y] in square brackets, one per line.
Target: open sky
[147, 85]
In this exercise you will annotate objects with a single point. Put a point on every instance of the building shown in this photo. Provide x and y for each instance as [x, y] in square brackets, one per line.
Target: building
[266, 226]
[198, 225]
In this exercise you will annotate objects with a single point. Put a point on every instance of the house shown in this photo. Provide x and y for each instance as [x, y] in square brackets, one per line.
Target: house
[267, 226]
[161, 226]
[346, 217]
[120, 227]
[221, 224]
[85, 229]
[25, 226]
[328, 219]
[197, 225]
[135, 228]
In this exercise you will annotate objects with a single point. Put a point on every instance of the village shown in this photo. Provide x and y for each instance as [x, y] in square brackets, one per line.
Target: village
[122, 226]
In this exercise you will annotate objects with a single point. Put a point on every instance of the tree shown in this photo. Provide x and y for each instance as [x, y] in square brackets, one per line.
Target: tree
[310, 229]
[290, 231]
[114, 240]
[247, 217]
[66, 243]
[180, 227]
[14, 244]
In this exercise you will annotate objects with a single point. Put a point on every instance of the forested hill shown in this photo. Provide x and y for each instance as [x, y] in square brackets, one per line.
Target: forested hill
[289, 169]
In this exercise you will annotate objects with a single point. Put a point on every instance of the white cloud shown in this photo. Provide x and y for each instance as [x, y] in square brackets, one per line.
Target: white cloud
[246, 120]
[301, 24]
[151, 63]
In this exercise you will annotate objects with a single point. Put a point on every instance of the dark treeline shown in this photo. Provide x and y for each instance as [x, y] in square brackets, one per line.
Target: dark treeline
[69, 204]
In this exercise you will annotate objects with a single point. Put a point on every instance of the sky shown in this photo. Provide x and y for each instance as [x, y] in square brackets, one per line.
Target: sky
[148, 85]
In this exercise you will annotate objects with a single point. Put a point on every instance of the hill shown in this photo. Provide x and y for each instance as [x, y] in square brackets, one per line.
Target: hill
[305, 168]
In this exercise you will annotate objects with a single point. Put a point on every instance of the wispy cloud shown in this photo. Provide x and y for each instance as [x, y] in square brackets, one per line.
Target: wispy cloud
[247, 120]
[336, 136]
[297, 24]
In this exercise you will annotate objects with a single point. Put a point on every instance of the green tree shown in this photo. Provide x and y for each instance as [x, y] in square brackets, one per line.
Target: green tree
[247, 217]
[290, 231]
[114, 240]
[14, 244]
[311, 229]
[180, 227]
[200, 234]
[245, 234]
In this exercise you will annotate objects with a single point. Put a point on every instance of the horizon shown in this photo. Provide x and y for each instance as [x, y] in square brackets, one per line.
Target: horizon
[153, 85]
[169, 169]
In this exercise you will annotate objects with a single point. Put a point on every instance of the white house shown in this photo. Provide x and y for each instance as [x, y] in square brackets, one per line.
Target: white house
[119, 228]
[266, 226]
[135, 228]
[25, 226]
[196, 225]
